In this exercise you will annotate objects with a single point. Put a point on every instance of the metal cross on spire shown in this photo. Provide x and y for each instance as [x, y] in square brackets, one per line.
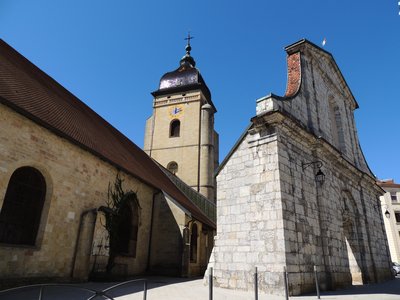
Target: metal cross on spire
[187, 58]
[188, 38]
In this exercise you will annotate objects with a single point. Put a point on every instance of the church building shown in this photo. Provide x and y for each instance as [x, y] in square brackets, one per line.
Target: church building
[58, 159]
[295, 191]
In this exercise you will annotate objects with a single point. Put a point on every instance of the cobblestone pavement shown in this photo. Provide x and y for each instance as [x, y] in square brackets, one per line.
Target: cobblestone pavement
[165, 288]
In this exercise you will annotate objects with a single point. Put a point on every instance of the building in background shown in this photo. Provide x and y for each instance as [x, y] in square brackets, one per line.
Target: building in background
[390, 206]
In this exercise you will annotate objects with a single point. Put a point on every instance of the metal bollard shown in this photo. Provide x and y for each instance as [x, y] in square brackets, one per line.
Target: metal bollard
[316, 281]
[285, 278]
[210, 284]
[145, 290]
[255, 284]
[41, 293]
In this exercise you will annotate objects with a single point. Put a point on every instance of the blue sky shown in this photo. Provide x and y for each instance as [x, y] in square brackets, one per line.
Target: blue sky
[111, 55]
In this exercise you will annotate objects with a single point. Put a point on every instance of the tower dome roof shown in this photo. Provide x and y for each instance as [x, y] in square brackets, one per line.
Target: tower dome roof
[186, 77]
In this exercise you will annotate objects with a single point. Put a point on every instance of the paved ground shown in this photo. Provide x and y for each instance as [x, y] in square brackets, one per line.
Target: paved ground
[164, 288]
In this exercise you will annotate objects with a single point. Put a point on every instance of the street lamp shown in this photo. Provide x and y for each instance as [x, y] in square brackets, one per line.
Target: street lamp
[386, 213]
[319, 176]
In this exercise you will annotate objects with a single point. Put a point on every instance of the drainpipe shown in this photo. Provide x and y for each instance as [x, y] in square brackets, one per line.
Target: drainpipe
[199, 149]
[153, 124]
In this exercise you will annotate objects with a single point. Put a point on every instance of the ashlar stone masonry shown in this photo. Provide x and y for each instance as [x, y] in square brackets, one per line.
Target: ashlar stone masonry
[57, 159]
[271, 211]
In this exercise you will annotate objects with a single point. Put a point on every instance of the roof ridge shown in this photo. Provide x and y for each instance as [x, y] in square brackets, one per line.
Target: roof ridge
[186, 189]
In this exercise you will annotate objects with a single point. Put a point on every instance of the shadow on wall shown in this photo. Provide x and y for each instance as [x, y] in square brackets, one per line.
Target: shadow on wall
[353, 243]
[166, 241]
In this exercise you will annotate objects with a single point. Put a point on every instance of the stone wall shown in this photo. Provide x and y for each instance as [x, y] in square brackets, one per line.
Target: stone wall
[183, 149]
[271, 210]
[170, 241]
[76, 181]
[166, 241]
[272, 213]
[195, 150]
[250, 229]
[323, 104]
[334, 226]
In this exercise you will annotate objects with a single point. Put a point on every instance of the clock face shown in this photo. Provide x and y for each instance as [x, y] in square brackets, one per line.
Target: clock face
[176, 111]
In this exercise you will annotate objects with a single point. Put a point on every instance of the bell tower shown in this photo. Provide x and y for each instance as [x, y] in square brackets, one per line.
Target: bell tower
[180, 133]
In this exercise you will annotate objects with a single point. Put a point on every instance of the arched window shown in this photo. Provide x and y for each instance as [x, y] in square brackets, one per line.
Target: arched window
[22, 207]
[128, 228]
[174, 128]
[172, 167]
[193, 244]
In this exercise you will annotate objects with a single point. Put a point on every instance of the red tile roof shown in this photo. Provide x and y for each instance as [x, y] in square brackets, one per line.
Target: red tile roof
[389, 183]
[34, 94]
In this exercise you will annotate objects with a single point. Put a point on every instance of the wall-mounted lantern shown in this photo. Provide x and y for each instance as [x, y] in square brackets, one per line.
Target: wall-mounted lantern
[319, 176]
[378, 207]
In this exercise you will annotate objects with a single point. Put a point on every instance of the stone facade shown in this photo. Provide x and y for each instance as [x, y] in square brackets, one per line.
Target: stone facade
[77, 182]
[271, 210]
[74, 155]
[184, 100]
[194, 149]
[171, 243]
[183, 97]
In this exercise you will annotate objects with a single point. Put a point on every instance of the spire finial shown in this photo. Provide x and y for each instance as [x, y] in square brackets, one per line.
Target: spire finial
[187, 59]
[188, 47]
